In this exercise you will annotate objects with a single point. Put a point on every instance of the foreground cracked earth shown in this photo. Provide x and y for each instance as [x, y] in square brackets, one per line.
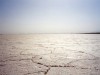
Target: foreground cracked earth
[50, 54]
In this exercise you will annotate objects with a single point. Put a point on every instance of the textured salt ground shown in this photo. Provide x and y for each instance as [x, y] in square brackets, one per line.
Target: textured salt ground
[50, 54]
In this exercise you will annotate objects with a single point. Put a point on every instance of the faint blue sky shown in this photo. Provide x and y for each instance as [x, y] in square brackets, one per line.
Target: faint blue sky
[53, 16]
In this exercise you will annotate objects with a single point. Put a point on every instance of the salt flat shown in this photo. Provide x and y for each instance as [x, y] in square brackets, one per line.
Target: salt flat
[50, 54]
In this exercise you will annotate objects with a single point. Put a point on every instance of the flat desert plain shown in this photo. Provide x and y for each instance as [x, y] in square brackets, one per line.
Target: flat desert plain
[50, 54]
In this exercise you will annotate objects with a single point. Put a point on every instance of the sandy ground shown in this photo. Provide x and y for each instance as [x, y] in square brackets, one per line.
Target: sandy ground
[50, 54]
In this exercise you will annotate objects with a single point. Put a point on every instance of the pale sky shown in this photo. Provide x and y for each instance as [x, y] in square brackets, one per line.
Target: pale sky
[49, 16]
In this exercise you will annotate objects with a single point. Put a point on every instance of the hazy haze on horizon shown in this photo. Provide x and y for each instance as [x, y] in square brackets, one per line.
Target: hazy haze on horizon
[49, 16]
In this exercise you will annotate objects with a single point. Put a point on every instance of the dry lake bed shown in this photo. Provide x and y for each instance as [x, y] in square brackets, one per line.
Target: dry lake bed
[50, 54]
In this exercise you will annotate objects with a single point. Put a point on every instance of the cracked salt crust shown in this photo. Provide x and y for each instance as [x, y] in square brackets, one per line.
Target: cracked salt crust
[50, 54]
